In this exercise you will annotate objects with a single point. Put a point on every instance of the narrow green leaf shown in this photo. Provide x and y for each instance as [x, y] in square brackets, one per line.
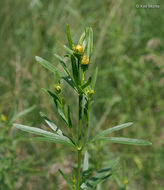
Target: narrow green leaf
[48, 65]
[111, 130]
[87, 83]
[86, 162]
[22, 113]
[82, 37]
[123, 140]
[66, 48]
[90, 43]
[94, 78]
[47, 135]
[60, 59]
[64, 67]
[69, 117]
[58, 78]
[51, 124]
[55, 98]
[62, 115]
[69, 81]
[53, 140]
[86, 108]
[66, 179]
[75, 69]
[69, 36]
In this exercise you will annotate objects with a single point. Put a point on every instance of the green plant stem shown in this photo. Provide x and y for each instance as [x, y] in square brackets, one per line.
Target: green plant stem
[79, 142]
[78, 169]
[88, 119]
[80, 119]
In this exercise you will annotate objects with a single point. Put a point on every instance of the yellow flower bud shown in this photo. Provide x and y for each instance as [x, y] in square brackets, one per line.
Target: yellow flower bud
[84, 60]
[78, 48]
[126, 181]
[57, 88]
[3, 118]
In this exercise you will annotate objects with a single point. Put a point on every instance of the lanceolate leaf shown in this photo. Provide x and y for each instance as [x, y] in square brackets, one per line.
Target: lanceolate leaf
[69, 81]
[123, 140]
[46, 134]
[63, 65]
[66, 48]
[90, 42]
[48, 65]
[110, 130]
[58, 77]
[82, 37]
[86, 108]
[94, 78]
[87, 83]
[85, 164]
[60, 111]
[69, 36]
[55, 98]
[51, 124]
[53, 140]
[74, 69]
[66, 179]
[69, 117]
[60, 59]
[22, 113]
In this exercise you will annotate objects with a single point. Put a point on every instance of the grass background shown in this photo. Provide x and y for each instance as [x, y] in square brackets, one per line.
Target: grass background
[129, 51]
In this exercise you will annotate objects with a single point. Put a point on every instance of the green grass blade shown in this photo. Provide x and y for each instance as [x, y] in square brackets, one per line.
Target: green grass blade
[69, 36]
[111, 130]
[123, 140]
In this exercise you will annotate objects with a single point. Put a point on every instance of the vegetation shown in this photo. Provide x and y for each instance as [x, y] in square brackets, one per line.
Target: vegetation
[129, 54]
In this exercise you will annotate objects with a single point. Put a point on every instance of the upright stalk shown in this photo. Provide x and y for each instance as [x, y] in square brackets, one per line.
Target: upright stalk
[88, 119]
[79, 142]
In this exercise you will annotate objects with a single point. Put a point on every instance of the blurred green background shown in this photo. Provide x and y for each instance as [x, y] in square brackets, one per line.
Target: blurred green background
[129, 51]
